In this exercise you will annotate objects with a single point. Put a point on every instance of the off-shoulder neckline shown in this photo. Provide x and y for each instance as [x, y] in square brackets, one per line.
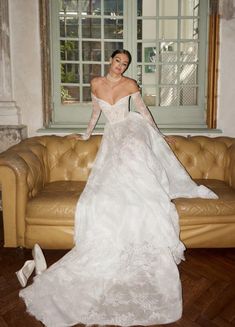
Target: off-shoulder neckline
[126, 96]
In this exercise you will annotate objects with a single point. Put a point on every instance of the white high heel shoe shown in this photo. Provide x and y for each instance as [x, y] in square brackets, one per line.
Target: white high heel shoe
[25, 272]
[39, 259]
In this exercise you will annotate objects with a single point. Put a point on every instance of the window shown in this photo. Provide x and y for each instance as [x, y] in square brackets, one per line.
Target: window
[167, 38]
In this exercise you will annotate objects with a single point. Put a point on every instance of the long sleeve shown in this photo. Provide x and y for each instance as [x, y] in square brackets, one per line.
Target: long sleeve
[94, 118]
[143, 110]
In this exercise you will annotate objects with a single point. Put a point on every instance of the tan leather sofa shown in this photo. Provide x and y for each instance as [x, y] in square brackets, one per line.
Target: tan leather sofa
[43, 177]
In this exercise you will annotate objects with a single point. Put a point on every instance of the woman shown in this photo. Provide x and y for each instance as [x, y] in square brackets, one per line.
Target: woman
[123, 268]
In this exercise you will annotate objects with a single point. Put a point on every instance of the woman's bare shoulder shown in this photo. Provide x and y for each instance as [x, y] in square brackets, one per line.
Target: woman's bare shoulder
[96, 82]
[132, 85]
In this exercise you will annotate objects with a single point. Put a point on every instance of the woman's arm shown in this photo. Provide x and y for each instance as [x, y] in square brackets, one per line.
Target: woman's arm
[94, 118]
[143, 110]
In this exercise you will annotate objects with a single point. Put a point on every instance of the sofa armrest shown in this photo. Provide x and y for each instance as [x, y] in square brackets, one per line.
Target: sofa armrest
[22, 176]
[231, 167]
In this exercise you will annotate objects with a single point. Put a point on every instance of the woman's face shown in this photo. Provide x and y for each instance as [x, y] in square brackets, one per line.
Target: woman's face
[119, 63]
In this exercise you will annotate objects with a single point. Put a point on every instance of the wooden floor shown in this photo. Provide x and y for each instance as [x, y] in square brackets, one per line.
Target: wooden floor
[208, 279]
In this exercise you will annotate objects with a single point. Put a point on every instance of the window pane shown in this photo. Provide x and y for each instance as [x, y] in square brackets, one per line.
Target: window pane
[113, 28]
[149, 8]
[69, 73]
[139, 52]
[86, 94]
[69, 50]
[168, 29]
[150, 54]
[168, 96]
[189, 7]
[148, 92]
[90, 71]
[69, 6]
[110, 47]
[149, 98]
[168, 51]
[168, 46]
[106, 69]
[149, 29]
[62, 26]
[139, 29]
[91, 7]
[91, 51]
[149, 69]
[189, 29]
[168, 74]
[188, 96]
[139, 7]
[168, 7]
[69, 94]
[91, 28]
[68, 26]
[189, 51]
[188, 74]
[139, 75]
[113, 7]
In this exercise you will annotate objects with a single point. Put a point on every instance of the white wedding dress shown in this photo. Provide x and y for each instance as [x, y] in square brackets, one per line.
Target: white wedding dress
[123, 267]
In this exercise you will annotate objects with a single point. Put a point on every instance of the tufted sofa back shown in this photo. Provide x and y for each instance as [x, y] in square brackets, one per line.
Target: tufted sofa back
[69, 159]
[204, 157]
[58, 158]
[54, 158]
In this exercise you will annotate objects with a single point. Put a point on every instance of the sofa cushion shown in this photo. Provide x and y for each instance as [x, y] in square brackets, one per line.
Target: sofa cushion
[55, 204]
[217, 209]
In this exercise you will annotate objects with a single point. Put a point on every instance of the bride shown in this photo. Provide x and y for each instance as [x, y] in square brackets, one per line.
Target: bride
[123, 267]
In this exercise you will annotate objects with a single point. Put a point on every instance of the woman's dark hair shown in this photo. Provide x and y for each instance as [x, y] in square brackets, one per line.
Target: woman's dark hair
[122, 51]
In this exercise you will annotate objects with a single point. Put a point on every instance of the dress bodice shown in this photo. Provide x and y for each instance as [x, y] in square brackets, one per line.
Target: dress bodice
[117, 112]
[114, 112]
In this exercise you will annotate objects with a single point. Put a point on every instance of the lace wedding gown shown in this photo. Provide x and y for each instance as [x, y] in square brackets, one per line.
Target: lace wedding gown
[123, 267]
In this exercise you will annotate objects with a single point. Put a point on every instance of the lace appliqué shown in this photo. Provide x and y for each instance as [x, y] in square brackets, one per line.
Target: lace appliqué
[143, 110]
[96, 110]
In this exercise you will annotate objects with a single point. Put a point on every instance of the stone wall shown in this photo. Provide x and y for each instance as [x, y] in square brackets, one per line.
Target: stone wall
[11, 135]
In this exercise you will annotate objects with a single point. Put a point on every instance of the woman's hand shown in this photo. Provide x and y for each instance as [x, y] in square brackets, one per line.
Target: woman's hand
[170, 140]
[75, 136]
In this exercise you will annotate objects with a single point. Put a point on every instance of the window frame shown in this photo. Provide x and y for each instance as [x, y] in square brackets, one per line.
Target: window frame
[161, 113]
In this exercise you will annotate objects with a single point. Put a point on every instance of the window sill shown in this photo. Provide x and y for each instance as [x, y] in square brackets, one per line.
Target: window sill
[190, 131]
[173, 130]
